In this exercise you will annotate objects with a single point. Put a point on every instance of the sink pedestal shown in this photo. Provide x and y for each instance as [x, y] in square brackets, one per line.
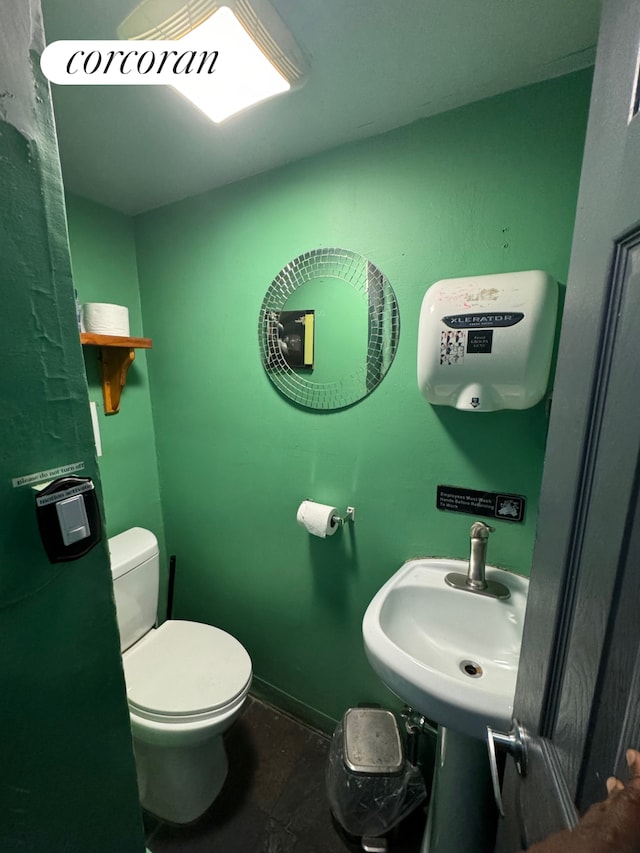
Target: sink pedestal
[462, 812]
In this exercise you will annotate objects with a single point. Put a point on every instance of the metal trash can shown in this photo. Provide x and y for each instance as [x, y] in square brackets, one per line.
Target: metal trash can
[370, 784]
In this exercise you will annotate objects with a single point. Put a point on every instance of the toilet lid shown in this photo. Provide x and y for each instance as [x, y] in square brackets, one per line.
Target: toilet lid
[185, 668]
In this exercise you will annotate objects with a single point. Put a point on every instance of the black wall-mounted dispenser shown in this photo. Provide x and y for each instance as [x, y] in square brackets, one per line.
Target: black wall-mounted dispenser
[68, 518]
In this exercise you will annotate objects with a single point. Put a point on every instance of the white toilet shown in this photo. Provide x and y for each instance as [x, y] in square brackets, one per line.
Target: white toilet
[186, 684]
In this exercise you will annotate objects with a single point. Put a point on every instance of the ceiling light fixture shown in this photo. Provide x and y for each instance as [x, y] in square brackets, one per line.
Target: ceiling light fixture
[258, 56]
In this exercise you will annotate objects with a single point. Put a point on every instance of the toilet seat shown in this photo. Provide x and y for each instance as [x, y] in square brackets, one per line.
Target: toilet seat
[186, 671]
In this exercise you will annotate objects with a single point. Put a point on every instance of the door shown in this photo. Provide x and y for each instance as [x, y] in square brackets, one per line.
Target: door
[578, 691]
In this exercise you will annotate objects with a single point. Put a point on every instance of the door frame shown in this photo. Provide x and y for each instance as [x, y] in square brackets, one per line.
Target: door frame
[578, 685]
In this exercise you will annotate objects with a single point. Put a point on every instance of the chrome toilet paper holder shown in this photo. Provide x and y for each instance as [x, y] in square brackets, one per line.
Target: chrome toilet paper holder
[349, 515]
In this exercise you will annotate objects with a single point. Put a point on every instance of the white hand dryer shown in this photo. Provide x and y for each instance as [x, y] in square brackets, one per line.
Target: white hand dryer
[485, 342]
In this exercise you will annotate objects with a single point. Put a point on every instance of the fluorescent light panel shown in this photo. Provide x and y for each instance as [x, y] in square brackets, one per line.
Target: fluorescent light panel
[243, 75]
[258, 56]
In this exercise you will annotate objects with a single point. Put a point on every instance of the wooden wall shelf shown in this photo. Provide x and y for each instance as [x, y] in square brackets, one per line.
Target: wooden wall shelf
[116, 356]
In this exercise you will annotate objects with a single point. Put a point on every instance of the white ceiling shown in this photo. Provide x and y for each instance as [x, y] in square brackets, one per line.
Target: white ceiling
[375, 65]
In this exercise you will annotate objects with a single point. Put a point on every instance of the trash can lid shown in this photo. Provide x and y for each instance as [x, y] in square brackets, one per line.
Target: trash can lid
[372, 742]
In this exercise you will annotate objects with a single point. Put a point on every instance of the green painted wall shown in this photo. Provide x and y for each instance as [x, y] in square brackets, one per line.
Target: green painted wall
[488, 188]
[103, 260]
[68, 777]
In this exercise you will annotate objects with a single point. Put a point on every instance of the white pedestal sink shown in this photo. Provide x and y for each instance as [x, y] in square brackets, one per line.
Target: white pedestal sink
[453, 656]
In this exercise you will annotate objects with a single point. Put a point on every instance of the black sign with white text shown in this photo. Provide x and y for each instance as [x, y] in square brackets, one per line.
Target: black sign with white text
[479, 341]
[488, 504]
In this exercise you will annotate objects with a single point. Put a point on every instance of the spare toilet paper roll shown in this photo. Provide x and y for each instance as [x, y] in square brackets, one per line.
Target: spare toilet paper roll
[317, 518]
[103, 318]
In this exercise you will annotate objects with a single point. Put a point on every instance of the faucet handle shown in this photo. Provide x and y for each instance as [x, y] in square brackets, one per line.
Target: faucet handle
[480, 530]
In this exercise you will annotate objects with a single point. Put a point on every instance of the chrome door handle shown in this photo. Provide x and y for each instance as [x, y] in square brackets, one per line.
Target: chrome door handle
[515, 744]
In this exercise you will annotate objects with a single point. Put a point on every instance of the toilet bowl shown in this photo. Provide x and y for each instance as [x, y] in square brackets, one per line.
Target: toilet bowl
[186, 683]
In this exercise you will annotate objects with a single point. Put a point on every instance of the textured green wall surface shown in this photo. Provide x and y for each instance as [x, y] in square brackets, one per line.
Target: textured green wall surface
[68, 777]
[488, 188]
[103, 260]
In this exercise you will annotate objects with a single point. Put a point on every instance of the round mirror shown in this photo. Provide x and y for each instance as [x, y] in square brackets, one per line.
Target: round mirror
[324, 345]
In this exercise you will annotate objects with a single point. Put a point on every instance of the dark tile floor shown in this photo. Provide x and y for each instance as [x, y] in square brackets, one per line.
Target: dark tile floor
[274, 799]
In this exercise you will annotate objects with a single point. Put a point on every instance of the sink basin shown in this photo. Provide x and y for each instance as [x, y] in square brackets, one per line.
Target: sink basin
[450, 654]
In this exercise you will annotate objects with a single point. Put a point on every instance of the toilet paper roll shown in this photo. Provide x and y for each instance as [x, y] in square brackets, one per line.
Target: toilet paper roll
[103, 318]
[317, 519]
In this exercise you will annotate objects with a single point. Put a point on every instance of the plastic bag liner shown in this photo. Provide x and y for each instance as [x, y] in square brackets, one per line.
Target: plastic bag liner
[370, 804]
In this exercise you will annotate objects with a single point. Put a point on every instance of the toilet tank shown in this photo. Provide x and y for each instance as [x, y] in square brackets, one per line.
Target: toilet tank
[135, 568]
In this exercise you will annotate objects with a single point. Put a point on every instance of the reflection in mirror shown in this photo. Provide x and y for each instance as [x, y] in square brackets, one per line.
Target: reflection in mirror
[344, 351]
[296, 338]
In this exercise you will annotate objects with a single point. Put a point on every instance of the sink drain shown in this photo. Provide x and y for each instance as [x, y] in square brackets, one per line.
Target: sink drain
[471, 668]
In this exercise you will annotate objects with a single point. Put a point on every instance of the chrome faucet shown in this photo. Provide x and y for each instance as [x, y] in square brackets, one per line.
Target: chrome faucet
[478, 557]
[474, 580]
